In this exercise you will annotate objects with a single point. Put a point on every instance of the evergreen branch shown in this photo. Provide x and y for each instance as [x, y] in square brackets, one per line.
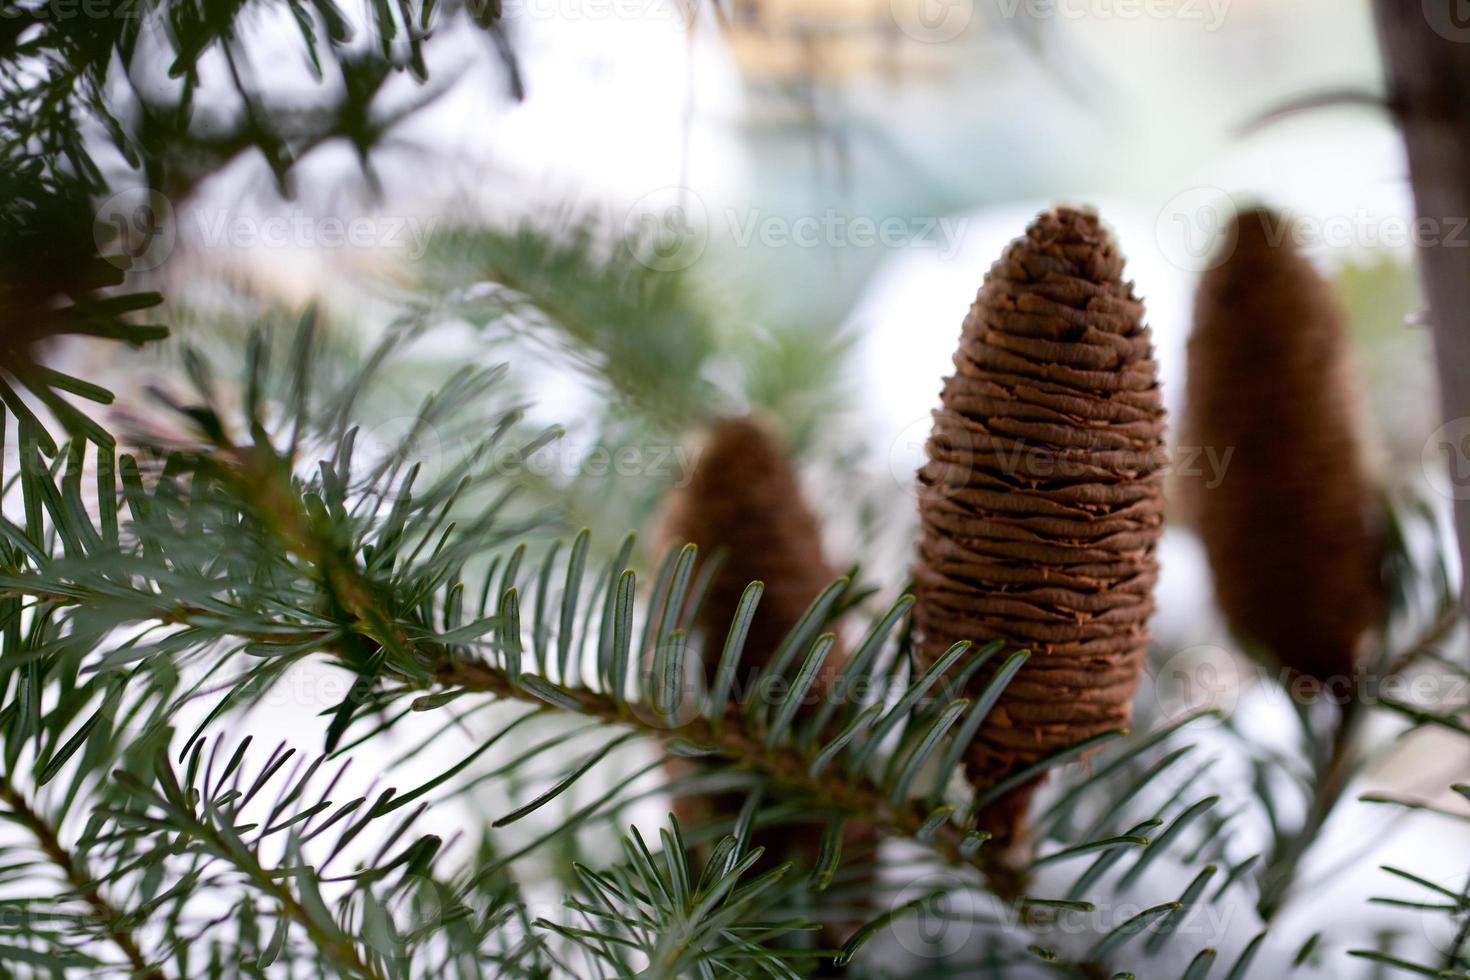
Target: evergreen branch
[337, 946]
[224, 817]
[262, 478]
[735, 735]
[101, 909]
[1336, 768]
[685, 923]
[732, 740]
[346, 584]
[1280, 870]
[641, 329]
[229, 544]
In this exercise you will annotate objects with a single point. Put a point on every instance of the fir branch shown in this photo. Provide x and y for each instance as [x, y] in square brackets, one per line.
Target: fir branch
[580, 287]
[228, 542]
[731, 739]
[101, 909]
[399, 653]
[263, 480]
[1280, 870]
[337, 946]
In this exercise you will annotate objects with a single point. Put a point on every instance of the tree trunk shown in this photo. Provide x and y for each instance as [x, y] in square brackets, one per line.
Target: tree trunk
[1426, 47]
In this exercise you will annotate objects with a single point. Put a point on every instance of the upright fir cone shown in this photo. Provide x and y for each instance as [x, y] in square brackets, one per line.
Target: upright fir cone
[744, 500]
[1290, 528]
[1042, 499]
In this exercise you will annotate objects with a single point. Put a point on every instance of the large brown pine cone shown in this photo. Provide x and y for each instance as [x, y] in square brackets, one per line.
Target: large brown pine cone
[1291, 527]
[1042, 498]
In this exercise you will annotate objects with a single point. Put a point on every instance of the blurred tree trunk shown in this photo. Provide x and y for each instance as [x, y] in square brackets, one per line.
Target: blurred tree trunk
[1426, 47]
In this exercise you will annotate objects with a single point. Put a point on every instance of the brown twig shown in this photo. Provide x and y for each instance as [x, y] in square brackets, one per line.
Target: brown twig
[102, 910]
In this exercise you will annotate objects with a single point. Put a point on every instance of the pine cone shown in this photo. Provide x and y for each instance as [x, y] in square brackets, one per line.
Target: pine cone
[1290, 527]
[1041, 502]
[744, 500]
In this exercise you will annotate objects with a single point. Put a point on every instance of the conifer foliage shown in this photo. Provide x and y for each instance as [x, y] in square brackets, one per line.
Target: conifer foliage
[166, 570]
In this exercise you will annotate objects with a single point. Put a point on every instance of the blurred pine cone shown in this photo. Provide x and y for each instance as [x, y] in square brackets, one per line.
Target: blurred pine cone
[744, 502]
[1041, 501]
[1290, 528]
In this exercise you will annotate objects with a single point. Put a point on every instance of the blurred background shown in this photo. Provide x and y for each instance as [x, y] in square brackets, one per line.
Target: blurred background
[814, 190]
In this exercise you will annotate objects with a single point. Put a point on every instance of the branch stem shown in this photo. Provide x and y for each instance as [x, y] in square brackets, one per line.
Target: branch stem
[1282, 870]
[101, 909]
